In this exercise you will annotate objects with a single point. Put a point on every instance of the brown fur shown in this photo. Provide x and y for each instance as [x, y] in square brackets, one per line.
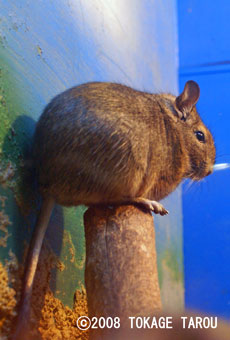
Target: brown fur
[106, 143]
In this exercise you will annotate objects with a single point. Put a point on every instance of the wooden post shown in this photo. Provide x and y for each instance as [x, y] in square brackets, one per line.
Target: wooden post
[121, 269]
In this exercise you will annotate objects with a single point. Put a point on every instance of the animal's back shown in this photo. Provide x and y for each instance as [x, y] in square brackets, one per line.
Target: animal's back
[92, 142]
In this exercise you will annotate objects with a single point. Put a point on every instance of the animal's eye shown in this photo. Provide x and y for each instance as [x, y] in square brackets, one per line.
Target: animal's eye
[200, 136]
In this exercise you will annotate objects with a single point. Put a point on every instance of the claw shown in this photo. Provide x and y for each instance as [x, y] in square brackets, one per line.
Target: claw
[154, 206]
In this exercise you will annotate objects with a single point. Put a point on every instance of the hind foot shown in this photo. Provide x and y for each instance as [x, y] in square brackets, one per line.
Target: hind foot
[154, 206]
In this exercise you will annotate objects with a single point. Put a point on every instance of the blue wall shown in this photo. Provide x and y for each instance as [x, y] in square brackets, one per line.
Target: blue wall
[204, 56]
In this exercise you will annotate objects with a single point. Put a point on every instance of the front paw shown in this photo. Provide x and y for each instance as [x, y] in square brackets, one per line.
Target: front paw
[154, 206]
[158, 208]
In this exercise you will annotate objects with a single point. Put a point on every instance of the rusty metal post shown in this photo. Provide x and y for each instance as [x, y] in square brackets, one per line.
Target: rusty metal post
[121, 267]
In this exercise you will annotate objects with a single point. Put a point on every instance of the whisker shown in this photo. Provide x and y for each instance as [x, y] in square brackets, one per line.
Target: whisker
[188, 186]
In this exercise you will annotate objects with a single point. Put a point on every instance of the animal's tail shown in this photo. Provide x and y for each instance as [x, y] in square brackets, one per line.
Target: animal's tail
[22, 322]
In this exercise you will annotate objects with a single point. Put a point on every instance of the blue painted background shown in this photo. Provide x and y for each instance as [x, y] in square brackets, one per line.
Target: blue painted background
[204, 55]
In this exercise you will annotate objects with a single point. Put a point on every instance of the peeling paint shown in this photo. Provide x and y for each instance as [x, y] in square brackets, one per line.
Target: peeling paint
[7, 174]
[39, 51]
[3, 42]
[4, 223]
[68, 244]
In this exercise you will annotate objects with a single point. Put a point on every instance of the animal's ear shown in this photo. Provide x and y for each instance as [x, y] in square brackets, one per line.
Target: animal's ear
[187, 99]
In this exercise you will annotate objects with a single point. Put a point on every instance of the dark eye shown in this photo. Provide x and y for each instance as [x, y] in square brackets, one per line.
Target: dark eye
[200, 136]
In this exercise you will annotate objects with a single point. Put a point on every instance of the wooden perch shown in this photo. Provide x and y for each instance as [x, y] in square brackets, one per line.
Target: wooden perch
[121, 268]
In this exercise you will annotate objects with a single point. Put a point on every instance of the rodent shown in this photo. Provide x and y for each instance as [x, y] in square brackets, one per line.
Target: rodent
[106, 143]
